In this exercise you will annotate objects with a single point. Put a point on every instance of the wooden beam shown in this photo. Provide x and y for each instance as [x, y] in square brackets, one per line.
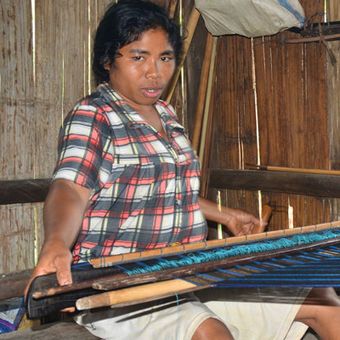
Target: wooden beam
[284, 182]
[13, 284]
[317, 29]
[24, 191]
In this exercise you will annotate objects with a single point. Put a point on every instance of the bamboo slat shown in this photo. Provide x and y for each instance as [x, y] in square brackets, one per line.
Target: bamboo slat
[333, 104]
[333, 10]
[287, 169]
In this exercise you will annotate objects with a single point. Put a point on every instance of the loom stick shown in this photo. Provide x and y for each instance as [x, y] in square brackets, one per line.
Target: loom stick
[47, 305]
[138, 294]
[265, 217]
[47, 285]
[108, 283]
[184, 248]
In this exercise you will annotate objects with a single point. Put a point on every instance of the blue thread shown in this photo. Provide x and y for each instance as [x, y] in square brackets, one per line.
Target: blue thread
[231, 251]
[177, 299]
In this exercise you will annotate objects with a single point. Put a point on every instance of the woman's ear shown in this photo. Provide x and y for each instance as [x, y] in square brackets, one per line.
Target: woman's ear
[107, 67]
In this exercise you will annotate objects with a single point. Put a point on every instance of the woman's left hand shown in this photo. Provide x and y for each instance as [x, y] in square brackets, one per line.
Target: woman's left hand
[239, 222]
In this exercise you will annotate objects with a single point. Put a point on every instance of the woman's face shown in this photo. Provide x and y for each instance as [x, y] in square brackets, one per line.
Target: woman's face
[143, 69]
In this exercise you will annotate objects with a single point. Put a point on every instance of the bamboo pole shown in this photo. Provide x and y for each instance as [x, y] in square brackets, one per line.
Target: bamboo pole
[135, 295]
[191, 27]
[207, 101]
[202, 91]
[172, 8]
[288, 169]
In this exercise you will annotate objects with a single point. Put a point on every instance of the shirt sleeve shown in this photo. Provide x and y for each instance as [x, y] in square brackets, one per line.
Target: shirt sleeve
[81, 147]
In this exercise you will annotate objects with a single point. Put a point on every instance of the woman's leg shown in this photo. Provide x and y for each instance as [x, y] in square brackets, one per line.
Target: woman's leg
[321, 312]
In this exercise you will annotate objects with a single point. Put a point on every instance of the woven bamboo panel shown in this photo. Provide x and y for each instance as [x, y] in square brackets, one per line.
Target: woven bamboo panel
[45, 68]
[284, 88]
[334, 10]
[63, 68]
[17, 93]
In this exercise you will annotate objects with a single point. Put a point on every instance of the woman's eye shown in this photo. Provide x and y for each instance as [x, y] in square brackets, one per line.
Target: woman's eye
[166, 59]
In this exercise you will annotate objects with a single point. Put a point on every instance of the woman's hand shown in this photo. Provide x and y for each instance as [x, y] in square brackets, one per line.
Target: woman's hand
[238, 221]
[55, 257]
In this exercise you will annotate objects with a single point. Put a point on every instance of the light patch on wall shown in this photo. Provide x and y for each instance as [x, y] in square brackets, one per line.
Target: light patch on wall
[290, 215]
[89, 47]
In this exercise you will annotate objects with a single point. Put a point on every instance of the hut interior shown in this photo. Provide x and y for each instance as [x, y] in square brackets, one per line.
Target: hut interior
[262, 114]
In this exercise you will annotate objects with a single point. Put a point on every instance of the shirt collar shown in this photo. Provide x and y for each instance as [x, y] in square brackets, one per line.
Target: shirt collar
[115, 100]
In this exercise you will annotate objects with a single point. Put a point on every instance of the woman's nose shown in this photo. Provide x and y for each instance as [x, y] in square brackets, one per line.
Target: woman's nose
[153, 70]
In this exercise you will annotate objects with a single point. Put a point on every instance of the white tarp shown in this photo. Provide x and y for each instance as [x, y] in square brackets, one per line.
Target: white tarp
[251, 18]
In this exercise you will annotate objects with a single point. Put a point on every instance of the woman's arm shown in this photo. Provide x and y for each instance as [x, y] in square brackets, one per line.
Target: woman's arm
[63, 213]
[238, 222]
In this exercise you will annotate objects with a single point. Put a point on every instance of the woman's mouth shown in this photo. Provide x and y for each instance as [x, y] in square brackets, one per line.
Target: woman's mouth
[152, 92]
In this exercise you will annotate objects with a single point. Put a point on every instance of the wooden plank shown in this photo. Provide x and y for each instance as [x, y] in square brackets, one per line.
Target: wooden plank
[24, 191]
[13, 285]
[303, 184]
[66, 330]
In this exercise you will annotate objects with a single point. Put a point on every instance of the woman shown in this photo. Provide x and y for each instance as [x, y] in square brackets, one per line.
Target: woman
[127, 180]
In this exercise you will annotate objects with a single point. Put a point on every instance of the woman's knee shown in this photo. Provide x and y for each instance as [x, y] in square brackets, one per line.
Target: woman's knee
[212, 329]
[323, 297]
[322, 305]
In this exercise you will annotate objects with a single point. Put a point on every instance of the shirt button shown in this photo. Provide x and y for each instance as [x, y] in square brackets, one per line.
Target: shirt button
[178, 202]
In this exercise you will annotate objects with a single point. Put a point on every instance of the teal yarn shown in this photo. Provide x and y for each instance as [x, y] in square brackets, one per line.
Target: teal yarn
[235, 250]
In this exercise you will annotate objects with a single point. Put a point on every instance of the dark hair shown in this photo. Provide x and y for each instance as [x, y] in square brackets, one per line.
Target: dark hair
[122, 24]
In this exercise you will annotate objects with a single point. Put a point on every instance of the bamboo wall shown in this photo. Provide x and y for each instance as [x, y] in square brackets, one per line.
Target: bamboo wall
[45, 68]
[45, 55]
[285, 88]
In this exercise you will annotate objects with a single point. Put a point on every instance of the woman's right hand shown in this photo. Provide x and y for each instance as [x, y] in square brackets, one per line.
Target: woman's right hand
[55, 257]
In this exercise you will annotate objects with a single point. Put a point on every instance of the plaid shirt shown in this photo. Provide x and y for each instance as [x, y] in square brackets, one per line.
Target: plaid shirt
[144, 189]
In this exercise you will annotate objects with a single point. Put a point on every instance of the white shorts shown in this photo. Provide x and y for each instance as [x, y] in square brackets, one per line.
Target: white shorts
[178, 318]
